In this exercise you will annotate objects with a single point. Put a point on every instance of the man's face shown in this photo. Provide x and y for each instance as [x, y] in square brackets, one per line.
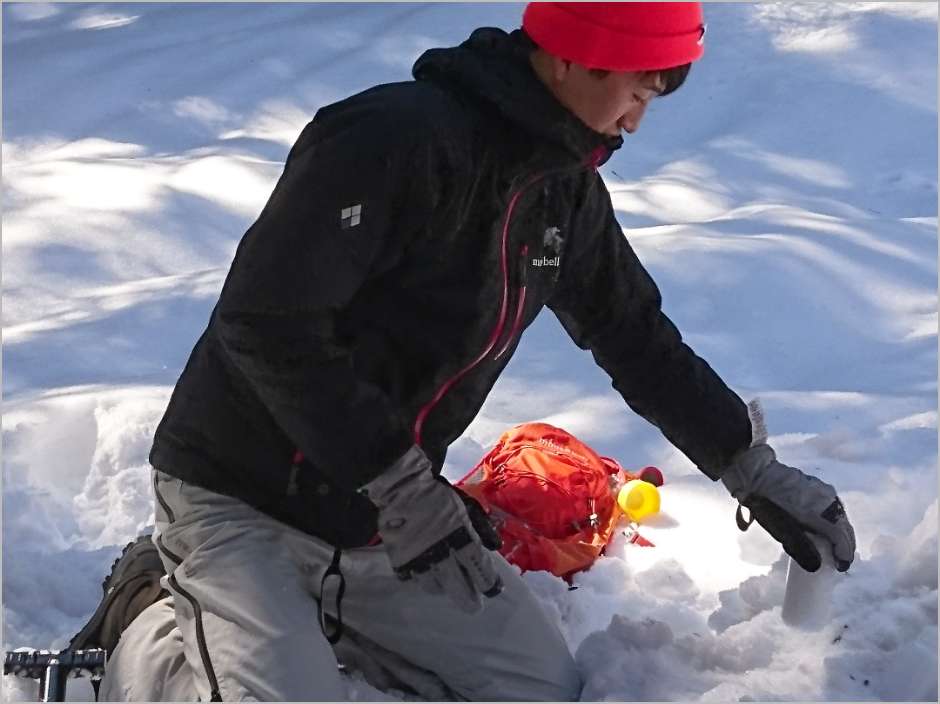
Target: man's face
[607, 102]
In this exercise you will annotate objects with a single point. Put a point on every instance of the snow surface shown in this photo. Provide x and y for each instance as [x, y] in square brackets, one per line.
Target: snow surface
[785, 200]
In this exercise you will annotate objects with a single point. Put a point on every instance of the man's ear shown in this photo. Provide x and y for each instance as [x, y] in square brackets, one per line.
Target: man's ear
[658, 81]
[560, 68]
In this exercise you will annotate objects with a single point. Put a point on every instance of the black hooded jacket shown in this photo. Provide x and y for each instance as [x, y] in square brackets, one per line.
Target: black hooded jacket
[417, 229]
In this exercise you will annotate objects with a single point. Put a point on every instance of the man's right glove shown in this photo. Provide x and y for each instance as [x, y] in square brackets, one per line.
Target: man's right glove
[428, 534]
[789, 504]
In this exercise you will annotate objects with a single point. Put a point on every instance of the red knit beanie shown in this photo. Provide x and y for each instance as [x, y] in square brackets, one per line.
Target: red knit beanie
[618, 36]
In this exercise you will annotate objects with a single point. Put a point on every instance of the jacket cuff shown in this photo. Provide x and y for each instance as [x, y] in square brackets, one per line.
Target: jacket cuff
[755, 414]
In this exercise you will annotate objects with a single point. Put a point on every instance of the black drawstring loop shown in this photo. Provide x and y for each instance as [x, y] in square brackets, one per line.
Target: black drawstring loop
[332, 570]
[294, 488]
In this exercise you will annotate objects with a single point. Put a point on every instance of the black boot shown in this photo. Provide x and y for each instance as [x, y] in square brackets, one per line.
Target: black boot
[132, 586]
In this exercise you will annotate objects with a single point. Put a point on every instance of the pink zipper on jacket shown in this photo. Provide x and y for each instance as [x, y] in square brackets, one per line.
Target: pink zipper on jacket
[520, 304]
[592, 161]
[497, 331]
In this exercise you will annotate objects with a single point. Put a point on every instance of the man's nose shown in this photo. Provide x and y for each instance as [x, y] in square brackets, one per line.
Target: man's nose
[633, 118]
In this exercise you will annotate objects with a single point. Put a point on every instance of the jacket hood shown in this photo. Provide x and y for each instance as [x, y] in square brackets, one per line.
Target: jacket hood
[492, 66]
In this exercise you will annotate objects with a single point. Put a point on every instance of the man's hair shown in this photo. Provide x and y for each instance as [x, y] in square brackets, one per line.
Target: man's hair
[672, 77]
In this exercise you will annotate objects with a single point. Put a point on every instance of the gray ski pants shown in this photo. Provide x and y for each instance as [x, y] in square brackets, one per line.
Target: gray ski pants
[242, 620]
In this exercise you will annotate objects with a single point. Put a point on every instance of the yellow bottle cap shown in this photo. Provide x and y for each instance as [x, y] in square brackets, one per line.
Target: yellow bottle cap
[638, 499]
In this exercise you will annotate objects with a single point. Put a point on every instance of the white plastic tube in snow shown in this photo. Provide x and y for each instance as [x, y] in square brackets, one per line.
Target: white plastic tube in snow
[807, 602]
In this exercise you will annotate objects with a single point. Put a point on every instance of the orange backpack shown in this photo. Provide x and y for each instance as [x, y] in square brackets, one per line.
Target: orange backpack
[551, 497]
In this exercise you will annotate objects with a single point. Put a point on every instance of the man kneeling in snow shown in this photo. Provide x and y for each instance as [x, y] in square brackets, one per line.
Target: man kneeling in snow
[417, 229]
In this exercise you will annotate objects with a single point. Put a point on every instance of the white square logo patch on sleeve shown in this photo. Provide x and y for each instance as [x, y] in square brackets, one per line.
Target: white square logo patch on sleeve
[351, 216]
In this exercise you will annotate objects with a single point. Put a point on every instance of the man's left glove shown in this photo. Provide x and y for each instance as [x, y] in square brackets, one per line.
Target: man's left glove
[428, 534]
[789, 504]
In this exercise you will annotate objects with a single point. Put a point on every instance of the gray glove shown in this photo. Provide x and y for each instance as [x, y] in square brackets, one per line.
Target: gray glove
[428, 534]
[789, 504]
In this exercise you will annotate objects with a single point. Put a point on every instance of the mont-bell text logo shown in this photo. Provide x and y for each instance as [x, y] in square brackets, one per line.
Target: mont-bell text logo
[351, 216]
[552, 242]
